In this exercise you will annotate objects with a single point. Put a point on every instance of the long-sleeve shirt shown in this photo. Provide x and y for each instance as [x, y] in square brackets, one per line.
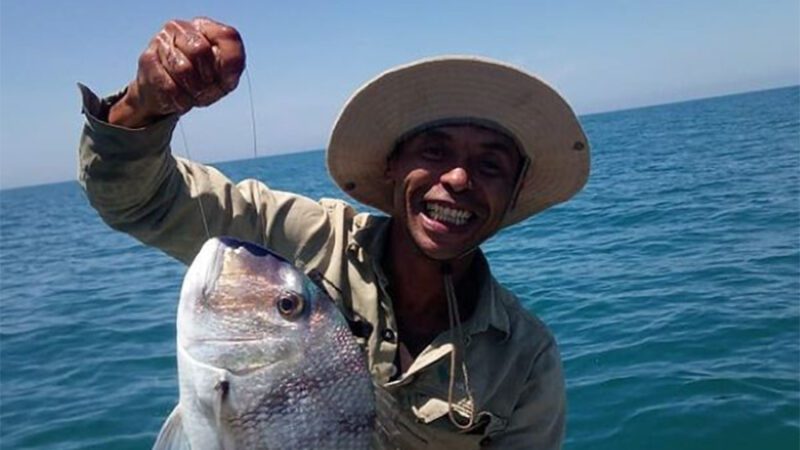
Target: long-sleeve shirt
[518, 397]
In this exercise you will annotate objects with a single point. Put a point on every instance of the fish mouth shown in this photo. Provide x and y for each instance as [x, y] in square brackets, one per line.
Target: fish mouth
[203, 273]
[193, 341]
[223, 339]
[239, 369]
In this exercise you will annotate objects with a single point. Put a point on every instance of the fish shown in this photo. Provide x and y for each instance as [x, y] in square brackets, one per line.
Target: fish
[265, 359]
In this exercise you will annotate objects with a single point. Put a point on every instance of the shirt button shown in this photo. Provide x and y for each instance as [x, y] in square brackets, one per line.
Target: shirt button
[388, 335]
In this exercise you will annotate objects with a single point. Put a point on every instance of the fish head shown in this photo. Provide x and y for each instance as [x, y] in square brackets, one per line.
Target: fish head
[238, 295]
[263, 351]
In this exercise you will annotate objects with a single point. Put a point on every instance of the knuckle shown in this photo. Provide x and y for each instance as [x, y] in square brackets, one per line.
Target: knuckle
[171, 24]
[232, 34]
[182, 69]
[162, 39]
[234, 64]
[181, 24]
[148, 58]
[230, 84]
[203, 22]
[167, 29]
[197, 48]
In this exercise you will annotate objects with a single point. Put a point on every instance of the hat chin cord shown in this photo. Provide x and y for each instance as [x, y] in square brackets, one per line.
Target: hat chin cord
[458, 342]
[456, 333]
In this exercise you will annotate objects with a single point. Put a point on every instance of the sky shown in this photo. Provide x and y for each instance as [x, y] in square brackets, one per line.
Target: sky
[305, 58]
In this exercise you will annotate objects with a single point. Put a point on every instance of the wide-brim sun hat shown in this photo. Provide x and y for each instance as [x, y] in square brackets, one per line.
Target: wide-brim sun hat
[460, 89]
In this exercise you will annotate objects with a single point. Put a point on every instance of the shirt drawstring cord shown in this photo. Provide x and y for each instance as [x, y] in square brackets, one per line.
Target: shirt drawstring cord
[456, 332]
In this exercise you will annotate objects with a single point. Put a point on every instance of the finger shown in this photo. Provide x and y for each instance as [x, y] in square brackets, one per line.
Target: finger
[194, 45]
[209, 95]
[198, 50]
[228, 49]
[164, 95]
[176, 63]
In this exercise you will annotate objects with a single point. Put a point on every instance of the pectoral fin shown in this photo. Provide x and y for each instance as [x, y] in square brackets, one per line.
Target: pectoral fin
[172, 436]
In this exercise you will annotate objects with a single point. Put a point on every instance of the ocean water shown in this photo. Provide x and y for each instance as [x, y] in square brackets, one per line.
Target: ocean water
[672, 283]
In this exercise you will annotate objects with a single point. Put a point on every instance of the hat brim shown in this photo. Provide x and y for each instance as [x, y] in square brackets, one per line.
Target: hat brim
[457, 87]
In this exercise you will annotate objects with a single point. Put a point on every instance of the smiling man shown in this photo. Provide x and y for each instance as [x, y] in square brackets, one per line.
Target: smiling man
[454, 184]
[452, 149]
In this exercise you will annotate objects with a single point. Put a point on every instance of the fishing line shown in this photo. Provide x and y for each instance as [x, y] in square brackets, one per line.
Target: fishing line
[253, 126]
[252, 112]
[255, 145]
[189, 157]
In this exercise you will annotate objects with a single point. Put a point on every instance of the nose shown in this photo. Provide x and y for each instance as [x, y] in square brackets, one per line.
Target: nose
[457, 178]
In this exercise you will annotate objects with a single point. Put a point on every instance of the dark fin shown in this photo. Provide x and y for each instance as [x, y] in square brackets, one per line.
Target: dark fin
[253, 248]
[172, 436]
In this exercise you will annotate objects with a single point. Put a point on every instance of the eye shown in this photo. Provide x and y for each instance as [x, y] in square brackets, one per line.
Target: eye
[290, 306]
[432, 153]
[491, 168]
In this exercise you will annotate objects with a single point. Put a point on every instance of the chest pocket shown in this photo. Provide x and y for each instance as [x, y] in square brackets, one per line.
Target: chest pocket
[434, 411]
[417, 418]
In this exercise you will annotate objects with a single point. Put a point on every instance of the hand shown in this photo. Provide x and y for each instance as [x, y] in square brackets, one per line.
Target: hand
[187, 64]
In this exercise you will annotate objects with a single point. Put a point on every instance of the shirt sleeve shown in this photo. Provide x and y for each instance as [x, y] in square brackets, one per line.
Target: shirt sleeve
[538, 419]
[136, 185]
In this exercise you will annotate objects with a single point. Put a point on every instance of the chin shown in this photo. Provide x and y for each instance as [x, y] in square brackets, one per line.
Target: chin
[437, 254]
[440, 251]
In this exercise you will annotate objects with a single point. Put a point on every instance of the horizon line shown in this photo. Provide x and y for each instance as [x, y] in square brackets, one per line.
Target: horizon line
[581, 116]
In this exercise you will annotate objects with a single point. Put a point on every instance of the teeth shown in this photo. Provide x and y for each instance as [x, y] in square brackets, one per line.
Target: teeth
[449, 215]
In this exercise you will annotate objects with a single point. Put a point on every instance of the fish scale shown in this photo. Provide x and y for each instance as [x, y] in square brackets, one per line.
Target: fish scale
[265, 359]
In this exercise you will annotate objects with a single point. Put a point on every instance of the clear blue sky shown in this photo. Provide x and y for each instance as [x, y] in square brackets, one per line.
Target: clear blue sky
[306, 57]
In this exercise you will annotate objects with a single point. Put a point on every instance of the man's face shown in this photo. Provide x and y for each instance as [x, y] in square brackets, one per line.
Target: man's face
[452, 185]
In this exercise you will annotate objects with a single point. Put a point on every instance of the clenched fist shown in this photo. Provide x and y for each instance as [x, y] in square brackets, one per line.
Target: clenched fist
[187, 64]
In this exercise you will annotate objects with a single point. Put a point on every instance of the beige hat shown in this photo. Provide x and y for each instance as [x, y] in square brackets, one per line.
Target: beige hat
[454, 89]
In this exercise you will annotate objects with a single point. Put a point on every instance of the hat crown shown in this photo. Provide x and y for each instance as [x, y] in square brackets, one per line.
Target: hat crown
[459, 88]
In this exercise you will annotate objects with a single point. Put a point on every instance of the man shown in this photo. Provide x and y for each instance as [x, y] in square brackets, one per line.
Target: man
[453, 149]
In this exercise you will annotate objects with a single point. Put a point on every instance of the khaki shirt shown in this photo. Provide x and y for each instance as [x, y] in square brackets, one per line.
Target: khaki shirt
[514, 368]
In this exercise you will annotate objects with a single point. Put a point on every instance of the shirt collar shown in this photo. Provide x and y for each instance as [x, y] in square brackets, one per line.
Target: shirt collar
[371, 234]
[489, 312]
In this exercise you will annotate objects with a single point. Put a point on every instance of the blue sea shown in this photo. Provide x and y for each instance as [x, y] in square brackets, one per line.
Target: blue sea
[672, 283]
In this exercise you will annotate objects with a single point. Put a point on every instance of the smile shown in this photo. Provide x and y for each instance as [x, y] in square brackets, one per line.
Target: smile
[446, 214]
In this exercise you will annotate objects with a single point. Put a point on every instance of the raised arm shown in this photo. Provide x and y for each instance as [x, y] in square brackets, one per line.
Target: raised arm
[138, 187]
[186, 64]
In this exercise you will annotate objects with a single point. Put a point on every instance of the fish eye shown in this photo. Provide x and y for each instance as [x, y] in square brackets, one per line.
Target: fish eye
[290, 306]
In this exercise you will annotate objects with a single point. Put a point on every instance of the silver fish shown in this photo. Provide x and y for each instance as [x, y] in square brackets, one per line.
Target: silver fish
[265, 359]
